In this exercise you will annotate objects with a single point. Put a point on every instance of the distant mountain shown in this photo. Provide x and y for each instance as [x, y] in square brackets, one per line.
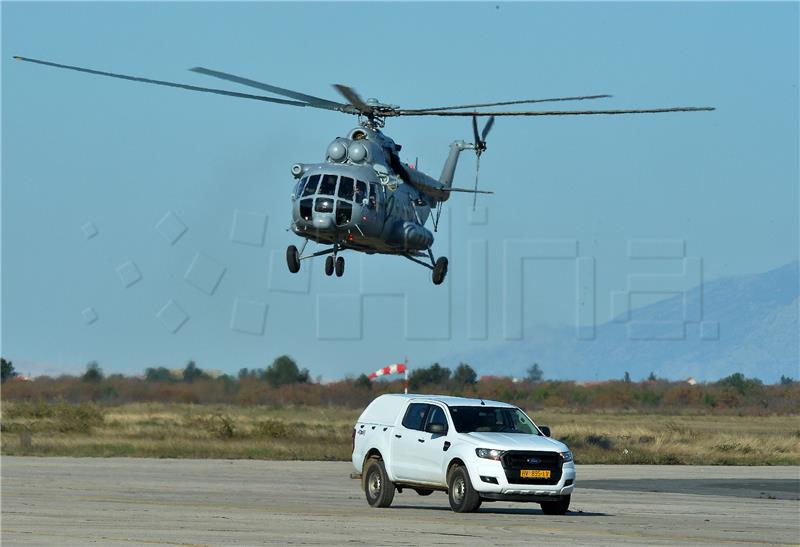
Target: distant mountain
[750, 326]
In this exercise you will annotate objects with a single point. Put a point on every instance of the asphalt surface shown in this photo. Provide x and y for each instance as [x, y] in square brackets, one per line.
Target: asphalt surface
[121, 501]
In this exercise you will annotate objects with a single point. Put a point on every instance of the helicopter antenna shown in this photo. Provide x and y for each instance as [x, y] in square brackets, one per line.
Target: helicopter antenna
[480, 146]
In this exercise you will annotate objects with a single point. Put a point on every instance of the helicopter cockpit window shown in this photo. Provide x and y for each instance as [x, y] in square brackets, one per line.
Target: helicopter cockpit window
[311, 186]
[344, 210]
[324, 205]
[328, 185]
[305, 209]
[346, 188]
[361, 191]
[299, 189]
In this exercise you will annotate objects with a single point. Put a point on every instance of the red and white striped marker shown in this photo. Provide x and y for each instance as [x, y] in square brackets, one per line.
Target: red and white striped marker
[397, 368]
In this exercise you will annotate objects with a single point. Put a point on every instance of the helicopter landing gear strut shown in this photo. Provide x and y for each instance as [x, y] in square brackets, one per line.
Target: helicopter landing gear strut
[439, 266]
[333, 263]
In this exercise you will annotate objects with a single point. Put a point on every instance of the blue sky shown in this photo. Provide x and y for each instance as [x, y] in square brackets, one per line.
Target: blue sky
[81, 151]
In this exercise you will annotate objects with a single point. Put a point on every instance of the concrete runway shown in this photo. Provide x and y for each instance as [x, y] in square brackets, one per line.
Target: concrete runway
[65, 501]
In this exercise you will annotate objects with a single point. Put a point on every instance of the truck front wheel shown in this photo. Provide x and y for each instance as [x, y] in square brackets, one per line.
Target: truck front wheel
[377, 486]
[463, 497]
[556, 507]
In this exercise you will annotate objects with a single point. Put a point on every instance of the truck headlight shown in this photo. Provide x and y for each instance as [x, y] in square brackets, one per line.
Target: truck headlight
[489, 453]
[566, 456]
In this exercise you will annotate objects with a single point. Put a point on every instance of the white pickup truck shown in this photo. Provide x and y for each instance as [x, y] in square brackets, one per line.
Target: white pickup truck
[475, 450]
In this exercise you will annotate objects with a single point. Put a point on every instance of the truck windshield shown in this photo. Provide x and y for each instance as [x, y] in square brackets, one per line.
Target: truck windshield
[487, 419]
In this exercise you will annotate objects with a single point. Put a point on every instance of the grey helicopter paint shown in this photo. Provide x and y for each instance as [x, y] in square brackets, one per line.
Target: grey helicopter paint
[356, 197]
[362, 198]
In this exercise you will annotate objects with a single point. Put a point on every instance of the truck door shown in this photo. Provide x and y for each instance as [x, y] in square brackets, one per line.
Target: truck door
[404, 459]
[430, 450]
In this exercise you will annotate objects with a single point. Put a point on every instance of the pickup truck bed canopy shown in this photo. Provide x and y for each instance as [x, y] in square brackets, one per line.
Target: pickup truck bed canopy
[385, 410]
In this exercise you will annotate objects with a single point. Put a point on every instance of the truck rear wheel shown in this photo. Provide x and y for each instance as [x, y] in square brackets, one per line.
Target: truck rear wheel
[463, 497]
[377, 486]
[559, 507]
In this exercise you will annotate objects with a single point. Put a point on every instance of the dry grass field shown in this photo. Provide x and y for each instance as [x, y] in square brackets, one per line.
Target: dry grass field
[324, 433]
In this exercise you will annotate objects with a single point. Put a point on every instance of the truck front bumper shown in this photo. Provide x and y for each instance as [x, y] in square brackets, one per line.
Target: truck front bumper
[489, 479]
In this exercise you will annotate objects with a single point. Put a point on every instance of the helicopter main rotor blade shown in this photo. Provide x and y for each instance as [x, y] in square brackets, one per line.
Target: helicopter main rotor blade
[163, 83]
[504, 103]
[475, 130]
[310, 99]
[487, 128]
[562, 112]
[354, 99]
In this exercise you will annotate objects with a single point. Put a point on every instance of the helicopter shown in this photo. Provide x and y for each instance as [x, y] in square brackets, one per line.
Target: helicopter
[362, 197]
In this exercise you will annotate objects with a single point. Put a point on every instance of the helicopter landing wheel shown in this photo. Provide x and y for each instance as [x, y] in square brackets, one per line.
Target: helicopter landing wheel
[339, 266]
[293, 259]
[439, 270]
[329, 265]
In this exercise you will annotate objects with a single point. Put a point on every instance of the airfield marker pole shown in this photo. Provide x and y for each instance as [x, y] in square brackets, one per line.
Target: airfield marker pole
[405, 380]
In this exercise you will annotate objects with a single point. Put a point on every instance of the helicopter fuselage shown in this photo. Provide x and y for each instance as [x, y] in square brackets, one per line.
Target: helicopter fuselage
[358, 199]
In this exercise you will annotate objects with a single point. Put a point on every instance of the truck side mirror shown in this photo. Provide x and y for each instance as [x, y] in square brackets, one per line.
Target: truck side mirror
[545, 429]
[436, 429]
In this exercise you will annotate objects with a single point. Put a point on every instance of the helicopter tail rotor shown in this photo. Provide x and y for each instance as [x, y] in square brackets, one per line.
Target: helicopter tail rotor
[480, 147]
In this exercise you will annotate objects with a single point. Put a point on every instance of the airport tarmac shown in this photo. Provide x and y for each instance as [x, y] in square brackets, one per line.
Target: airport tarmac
[125, 501]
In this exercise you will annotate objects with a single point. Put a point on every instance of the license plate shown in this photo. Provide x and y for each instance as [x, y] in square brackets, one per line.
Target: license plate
[534, 473]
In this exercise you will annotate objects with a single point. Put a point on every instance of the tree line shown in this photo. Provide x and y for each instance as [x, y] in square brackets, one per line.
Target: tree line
[283, 382]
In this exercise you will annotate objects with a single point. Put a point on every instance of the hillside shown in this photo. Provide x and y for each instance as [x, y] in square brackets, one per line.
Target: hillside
[758, 335]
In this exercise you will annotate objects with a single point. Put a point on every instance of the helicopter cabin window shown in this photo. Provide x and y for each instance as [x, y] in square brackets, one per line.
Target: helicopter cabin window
[373, 195]
[324, 205]
[311, 186]
[346, 188]
[305, 208]
[344, 210]
[361, 191]
[328, 185]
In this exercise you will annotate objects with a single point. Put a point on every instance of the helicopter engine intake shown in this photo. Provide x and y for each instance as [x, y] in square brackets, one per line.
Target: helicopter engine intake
[337, 150]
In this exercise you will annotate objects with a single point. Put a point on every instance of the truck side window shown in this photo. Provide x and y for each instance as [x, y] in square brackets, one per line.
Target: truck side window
[436, 416]
[415, 416]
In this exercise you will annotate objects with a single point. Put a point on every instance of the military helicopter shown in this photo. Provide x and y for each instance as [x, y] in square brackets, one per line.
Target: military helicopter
[362, 197]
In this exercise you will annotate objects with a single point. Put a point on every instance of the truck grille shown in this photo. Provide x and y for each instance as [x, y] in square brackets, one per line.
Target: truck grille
[514, 460]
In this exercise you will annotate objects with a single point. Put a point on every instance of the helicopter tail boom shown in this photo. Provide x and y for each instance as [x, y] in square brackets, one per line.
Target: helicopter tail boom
[449, 169]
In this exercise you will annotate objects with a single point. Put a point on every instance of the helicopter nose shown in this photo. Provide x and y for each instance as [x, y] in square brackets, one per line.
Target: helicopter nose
[323, 221]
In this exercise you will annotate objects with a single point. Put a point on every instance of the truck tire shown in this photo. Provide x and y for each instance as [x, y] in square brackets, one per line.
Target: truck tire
[424, 491]
[463, 497]
[559, 507]
[377, 486]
